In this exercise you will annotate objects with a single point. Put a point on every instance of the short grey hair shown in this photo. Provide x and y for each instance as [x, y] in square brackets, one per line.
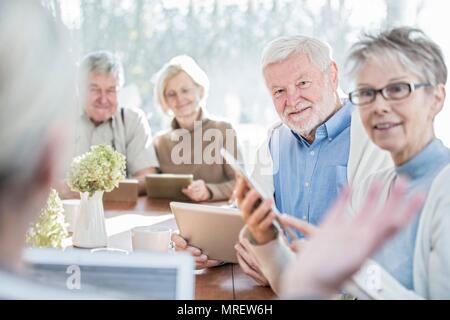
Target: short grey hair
[172, 68]
[102, 62]
[37, 86]
[280, 49]
[409, 47]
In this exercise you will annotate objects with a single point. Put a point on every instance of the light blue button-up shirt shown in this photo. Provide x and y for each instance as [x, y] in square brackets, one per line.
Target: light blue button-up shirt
[309, 177]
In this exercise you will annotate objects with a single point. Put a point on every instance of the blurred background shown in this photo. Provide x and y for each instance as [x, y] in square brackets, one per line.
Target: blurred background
[226, 37]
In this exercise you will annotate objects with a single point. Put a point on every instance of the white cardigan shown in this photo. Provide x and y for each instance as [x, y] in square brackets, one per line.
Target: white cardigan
[431, 262]
[365, 158]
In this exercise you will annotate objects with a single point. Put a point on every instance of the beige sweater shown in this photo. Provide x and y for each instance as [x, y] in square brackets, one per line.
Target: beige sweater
[197, 151]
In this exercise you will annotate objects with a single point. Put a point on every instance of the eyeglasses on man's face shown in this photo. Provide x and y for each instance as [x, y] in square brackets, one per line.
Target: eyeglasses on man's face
[393, 91]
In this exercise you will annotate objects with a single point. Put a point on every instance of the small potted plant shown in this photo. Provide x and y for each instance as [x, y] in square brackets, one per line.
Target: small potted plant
[91, 174]
[50, 229]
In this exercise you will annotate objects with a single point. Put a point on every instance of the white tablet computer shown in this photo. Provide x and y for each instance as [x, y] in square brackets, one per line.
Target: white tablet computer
[215, 230]
[167, 185]
[112, 275]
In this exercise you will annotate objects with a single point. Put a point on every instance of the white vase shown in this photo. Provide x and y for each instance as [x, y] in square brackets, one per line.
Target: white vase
[90, 228]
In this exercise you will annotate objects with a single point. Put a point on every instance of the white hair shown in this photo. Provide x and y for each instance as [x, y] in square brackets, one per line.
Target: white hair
[410, 47]
[102, 62]
[36, 85]
[280, 49]
[172, 68]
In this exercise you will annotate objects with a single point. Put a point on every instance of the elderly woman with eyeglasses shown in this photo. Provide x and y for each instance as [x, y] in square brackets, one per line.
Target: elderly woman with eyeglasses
[400, 88]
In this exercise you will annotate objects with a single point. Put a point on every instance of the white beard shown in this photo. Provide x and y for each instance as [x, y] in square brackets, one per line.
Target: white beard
[319, 114]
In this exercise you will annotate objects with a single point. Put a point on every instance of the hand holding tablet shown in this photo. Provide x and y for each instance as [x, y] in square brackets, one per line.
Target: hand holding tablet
[262, 193]
[215, 230]
[169, 186]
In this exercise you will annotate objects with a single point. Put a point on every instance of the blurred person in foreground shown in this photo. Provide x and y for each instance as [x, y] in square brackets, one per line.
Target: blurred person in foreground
[400, 78]
[192, 143]
[36, 80]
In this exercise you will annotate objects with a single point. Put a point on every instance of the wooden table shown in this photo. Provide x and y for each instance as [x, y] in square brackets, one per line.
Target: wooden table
[227, 282]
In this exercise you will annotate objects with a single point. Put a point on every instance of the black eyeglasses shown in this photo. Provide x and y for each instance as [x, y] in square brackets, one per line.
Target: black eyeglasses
[393, 91]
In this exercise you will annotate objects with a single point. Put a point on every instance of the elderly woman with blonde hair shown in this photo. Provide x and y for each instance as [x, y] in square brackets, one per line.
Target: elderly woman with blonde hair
[193, 142]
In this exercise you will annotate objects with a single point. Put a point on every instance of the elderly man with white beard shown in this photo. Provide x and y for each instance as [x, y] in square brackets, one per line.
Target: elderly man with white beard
[317, 148]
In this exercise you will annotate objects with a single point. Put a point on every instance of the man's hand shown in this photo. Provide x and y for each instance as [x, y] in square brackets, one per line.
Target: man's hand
[257, 217]
[248, 263]
[307, 229]
[140, 177]
[197, 191]
[201, 260]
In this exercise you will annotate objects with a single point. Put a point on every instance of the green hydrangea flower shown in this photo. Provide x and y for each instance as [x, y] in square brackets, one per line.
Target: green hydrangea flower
[50, 228]
[100, 169]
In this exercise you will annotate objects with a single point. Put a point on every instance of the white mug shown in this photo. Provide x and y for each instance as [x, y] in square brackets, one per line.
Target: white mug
[151, 238]
[71, 209]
